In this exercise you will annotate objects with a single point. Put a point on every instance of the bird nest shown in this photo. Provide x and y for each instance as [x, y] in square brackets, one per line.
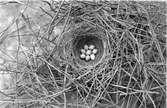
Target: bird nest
[128, 72]
[80, 36]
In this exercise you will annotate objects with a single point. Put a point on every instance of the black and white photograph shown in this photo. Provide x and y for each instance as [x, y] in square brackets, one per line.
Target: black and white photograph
[83, 53]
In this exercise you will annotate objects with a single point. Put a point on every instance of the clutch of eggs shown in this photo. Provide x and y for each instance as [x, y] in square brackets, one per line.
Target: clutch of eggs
[88, 52]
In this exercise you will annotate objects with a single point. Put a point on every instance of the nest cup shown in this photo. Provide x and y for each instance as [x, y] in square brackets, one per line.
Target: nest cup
[78, 44]
[74, 39]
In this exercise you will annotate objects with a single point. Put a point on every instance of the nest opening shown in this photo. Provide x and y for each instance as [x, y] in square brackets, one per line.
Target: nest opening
[80, 41]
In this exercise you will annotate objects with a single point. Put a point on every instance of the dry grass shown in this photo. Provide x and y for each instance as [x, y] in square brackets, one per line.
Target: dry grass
[43, 71]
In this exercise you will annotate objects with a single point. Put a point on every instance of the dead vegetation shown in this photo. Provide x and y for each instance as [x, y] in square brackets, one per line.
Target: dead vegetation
[131, 74]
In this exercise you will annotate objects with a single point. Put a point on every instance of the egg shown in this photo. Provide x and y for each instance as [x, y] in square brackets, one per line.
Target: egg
[92, 57]
[88, 52]
[82, 56]
[91, 47]
[94, 51]
[87, 58]
[83, 51]
[86, 47]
